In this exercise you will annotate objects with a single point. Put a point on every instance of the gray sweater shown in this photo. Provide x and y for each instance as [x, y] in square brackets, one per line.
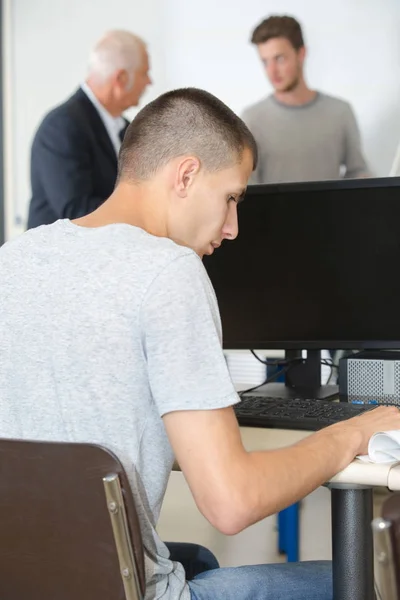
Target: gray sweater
[319, 140]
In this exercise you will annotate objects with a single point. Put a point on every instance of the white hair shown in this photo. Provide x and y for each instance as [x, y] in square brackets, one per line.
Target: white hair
[116, 50]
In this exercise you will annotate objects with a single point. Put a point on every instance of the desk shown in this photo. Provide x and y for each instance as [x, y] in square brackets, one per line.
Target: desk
[351, 493]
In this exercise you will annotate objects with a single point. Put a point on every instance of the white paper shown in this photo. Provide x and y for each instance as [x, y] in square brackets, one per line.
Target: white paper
[383, 447]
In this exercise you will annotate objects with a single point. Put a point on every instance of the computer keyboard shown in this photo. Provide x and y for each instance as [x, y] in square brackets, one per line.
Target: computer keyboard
[295, 413]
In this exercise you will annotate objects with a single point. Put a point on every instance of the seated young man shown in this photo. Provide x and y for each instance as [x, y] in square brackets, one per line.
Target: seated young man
[110, 334]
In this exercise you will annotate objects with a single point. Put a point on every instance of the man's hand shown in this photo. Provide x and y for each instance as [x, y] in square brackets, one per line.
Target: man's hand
[383, 418]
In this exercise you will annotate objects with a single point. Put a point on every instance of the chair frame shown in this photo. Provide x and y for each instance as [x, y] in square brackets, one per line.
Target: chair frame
[119, 523]
[385, 570]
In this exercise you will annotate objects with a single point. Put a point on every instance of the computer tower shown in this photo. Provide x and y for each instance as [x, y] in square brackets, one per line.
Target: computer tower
[370, 377]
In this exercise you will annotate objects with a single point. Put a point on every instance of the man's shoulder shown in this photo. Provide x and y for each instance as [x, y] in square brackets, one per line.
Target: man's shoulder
[158, 262]
[334, 103]
[68, 112]
[21, 245]
[127, 245]
[163, 257]
[159, 251]
[31, 237]
[262, 106]
[129, 250]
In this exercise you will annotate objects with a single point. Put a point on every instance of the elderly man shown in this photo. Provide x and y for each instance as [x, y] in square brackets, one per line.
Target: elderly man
[74, 152]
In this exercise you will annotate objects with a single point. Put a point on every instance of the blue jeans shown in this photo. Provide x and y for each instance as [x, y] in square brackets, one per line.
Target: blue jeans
[283, 581]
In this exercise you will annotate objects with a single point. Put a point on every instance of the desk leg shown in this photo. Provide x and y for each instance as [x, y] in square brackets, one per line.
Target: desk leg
[352, 544]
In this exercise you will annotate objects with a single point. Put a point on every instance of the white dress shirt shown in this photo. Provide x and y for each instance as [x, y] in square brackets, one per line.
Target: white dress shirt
[113, 125]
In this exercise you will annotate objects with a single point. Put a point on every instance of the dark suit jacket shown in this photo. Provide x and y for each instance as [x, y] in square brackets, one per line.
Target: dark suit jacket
[73, 163]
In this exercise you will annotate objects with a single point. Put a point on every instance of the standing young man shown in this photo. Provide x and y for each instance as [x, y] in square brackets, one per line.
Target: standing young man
[110, 334]
[302, 134]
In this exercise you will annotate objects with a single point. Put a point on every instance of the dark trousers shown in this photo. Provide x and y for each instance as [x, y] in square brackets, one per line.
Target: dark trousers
[194, 558]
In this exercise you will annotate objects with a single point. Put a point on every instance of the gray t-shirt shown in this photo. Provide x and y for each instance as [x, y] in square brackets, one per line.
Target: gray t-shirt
[311, 142]
[103, 331]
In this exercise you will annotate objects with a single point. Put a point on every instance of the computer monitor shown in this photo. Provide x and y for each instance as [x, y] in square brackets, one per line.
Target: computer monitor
[315, 265]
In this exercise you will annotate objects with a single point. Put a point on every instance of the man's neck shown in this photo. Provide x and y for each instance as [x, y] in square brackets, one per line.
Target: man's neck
[300, 95]
[102, 94]
[137, 207]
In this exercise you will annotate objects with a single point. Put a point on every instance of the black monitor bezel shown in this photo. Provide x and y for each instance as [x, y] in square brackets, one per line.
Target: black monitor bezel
[331, 184]
[274, 188]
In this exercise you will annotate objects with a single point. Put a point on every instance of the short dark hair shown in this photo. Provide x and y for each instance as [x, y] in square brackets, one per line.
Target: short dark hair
[183, 121]
[279, 26]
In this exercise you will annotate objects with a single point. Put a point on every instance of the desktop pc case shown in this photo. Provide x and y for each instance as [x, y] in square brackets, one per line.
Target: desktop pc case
[370, 377]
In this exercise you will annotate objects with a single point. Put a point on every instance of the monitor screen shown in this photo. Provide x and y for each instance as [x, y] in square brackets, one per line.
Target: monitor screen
[315, 265]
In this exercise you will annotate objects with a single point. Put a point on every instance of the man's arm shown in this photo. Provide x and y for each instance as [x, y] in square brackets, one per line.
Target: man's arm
[234, 488]
[194, 394]
[353, 160]
[61, 161]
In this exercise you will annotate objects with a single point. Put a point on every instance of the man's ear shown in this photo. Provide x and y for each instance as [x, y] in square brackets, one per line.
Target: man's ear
[186, 172]
[302, 54]
[121, 78]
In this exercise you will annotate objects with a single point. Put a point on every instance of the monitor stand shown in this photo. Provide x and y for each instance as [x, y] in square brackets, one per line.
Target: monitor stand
[303, 380]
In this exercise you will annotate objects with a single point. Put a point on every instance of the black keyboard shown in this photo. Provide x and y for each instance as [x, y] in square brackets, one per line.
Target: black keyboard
[295, 413]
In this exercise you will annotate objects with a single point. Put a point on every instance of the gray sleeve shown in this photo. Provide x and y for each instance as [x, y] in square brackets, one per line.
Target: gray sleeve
[181, 335]
[257, 174]
[353, 159]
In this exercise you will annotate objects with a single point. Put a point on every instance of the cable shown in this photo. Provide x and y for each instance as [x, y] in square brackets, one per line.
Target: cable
[279, 362]
[330, 364]
[271, 377]
[272, 363]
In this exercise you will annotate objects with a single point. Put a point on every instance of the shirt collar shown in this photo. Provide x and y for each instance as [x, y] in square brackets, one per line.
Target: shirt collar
[116, 123]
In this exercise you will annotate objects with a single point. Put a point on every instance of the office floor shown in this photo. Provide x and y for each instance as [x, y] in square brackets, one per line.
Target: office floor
[180, 520]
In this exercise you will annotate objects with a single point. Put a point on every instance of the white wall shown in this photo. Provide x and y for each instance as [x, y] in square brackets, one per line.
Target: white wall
[354, 52]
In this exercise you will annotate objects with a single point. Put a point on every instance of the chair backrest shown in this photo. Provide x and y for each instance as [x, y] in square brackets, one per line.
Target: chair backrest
[58, 539]
[386, 534]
